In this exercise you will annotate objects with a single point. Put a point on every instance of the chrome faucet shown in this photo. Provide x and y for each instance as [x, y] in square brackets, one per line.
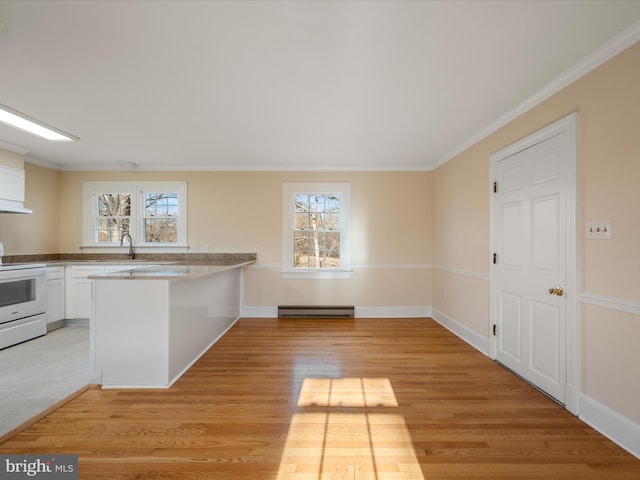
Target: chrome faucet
[126, 234]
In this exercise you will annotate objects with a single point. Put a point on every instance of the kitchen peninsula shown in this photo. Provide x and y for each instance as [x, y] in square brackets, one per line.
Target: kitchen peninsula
[151, 324]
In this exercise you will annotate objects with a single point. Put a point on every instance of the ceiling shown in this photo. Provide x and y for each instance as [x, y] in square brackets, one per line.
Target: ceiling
[286, 85]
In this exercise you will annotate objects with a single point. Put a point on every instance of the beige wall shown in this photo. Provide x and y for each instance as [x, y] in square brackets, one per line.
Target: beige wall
[607, 101]
[235, 211]
[11, 159]
[38, 232]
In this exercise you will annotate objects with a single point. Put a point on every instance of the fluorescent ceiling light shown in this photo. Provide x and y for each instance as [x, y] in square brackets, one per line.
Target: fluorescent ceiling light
[22, 122]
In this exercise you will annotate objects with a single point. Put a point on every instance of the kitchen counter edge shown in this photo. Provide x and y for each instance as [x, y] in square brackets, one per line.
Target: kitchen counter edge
[173, 271]
[65, 259]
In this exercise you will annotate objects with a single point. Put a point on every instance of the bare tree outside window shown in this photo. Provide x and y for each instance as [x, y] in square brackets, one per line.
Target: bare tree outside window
[160, 217]
[316, 234]
[153, 213]
[114, 215]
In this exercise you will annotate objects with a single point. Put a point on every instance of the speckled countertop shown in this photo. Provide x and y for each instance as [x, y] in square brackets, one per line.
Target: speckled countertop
[168, 272]
[200, 259]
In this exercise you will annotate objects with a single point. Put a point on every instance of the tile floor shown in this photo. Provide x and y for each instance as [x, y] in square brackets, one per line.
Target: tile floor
[36, 374]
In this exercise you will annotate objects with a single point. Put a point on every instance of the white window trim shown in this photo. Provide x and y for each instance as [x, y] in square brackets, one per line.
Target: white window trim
[289, 190]
[137, 189]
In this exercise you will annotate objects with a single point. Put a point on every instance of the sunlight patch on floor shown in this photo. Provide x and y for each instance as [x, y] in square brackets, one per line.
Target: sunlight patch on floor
[347, 392]
[339, 443]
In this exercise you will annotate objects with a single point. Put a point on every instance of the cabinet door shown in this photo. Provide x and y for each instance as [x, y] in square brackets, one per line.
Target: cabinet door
[79, 298]
[11, 184]
[55, 299]
[84, 297]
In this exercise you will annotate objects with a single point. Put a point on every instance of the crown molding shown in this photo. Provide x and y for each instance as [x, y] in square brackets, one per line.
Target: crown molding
[617, 45]
[13, 148]
[43, 163]
[113, 167]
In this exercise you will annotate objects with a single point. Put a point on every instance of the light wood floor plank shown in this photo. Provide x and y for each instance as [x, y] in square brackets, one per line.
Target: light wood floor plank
[379, 399]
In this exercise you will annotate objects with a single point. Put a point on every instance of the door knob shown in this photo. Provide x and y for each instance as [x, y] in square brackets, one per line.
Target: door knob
[556, 291]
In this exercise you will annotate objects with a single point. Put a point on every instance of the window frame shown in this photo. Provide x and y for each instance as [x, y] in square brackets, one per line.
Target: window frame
[289, 192]
[136, 225]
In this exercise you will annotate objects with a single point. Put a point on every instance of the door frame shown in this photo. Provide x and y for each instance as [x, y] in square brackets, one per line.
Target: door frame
[568, 126]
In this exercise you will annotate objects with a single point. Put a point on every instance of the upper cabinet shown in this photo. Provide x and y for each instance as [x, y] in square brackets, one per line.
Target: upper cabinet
[12, 191]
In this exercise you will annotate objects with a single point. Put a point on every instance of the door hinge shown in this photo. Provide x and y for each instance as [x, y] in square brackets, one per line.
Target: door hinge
[495, 258]
[495, 187]
[495, 329]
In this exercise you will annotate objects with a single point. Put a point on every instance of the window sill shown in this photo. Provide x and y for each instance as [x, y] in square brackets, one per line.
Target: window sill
[318, 274]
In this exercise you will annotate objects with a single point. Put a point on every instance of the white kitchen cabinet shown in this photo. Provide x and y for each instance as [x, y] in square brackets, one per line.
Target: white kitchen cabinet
[79, 288]
[55, 294]
[11, 184]
[12, 190]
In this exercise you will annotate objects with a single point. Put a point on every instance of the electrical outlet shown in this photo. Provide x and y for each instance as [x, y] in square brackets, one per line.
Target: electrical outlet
[205, 248]
[1, 249]
[599, 230]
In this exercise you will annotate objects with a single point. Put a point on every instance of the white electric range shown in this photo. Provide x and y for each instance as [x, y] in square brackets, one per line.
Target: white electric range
[23, 302]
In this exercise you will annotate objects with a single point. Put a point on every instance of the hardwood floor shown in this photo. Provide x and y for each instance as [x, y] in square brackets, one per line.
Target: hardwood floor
[330, 399]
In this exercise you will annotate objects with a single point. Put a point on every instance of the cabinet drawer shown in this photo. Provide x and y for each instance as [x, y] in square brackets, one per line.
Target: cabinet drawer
[54, 273]
[83, 271]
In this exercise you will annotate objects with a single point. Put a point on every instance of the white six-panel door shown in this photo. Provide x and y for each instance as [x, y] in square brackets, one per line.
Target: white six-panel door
[530, 274]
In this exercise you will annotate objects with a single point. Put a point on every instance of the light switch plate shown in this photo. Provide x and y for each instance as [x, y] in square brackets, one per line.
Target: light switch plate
[599, 230]
[1, 249]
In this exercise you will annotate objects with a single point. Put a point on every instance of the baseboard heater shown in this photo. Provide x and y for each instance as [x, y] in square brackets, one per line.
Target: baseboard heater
[315, 311]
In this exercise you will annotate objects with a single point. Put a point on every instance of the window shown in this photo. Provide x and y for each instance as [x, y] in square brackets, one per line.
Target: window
[113, 216]
[316, 229]
[153, 213]
[160, 219]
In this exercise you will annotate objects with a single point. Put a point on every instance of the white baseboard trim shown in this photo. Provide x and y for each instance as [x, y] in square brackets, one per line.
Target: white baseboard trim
[572, 399]
[390, 312]
[259, 312]
[360, 312]
[617, 428]
[470, 336]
